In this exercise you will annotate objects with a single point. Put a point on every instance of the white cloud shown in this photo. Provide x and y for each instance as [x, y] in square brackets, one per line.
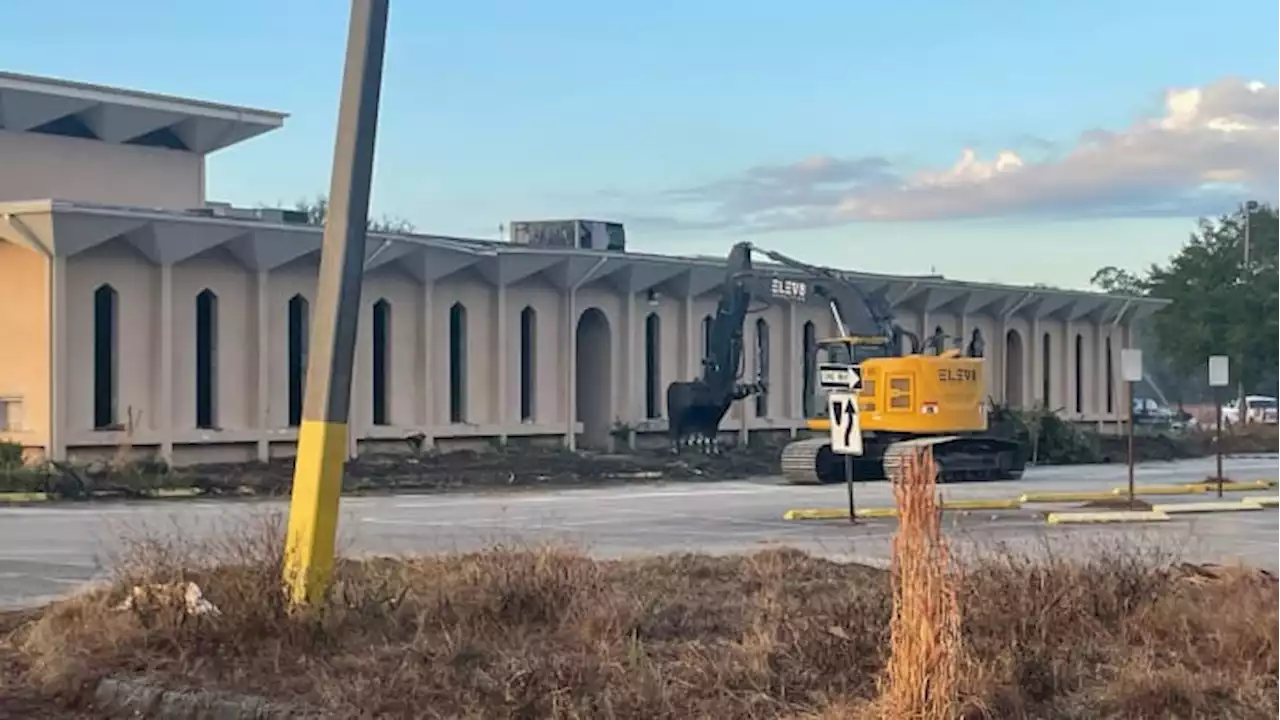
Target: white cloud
[1210, 146]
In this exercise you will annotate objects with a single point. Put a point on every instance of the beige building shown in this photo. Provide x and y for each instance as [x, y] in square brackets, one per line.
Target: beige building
[132, 311]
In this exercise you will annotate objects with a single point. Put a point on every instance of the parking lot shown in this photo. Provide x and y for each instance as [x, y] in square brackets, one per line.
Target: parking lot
[48, 551]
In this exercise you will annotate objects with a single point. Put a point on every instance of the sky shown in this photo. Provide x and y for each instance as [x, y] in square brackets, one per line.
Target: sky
[1010, 141]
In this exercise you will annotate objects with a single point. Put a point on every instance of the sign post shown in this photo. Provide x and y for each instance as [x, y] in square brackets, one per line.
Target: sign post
[1219, 377]
[846, 427]
[1131, 372]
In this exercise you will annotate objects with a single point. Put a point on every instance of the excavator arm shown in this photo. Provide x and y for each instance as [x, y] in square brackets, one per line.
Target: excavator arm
[843, 295]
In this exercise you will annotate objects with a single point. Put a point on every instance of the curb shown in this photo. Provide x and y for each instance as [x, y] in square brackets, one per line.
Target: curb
[133, 698]
[1066, 497]
[1264, 501]
[35, 498]
[1206, 507]
[890, 512]
[1177, 489]
[1112, 516]
[1233, 485]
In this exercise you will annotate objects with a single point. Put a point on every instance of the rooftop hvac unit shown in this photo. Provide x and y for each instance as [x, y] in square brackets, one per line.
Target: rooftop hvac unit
[575, 234]
[280, 215]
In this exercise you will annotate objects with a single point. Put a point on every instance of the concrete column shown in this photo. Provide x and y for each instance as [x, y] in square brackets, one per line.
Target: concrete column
[1001, 359]
[501, 403]
[792, 365]
[57, 307]
[1036, 376]
[749, 361]
[358, 410]
[1099, 373]
[426, 372]
[571, 370]
[630, 413]
[164, 404]
[1068, 368]
[691, 349]
[1125, 389]
[262, 402]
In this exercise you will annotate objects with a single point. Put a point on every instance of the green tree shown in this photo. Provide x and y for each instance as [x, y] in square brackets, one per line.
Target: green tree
[1116, 281]
[317, 209]
[1222, 304]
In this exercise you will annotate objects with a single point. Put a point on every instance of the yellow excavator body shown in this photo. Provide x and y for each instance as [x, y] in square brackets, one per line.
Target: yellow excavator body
[908, 402]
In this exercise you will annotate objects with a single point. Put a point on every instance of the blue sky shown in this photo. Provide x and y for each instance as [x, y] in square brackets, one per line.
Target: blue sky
[494, 111]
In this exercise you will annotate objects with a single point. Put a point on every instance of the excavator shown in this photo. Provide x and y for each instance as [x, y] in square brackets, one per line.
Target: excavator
[913, 394]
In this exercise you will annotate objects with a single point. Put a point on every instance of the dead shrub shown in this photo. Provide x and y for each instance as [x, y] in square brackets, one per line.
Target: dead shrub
[549, 632]
[921, 678]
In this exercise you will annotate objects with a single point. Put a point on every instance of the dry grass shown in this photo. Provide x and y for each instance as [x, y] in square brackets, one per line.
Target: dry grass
[549, 632]
[920, 680]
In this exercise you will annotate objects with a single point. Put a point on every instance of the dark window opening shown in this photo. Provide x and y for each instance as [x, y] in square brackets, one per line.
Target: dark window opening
[528, 359]
[653, 366]
[1111, 382]
[810, 340]
[105, 357]
[381, 363]
[1046, 362]
[707, 324]
[206, 360]
[299, 336]
[762, 366]
[1079, 373]
[458, 363]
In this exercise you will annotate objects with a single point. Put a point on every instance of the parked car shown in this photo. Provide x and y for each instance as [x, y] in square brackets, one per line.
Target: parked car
[1148, 411]
[1258, 409]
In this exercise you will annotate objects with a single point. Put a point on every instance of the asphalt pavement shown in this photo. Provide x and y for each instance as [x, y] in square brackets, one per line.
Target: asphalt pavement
[48, 551]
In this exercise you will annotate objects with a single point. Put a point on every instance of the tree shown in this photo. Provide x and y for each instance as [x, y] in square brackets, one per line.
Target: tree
[317, 209]
[1116, 281]
[1222, 305]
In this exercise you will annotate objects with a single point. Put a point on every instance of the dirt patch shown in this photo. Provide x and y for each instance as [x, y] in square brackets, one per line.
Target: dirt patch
[510, 469]
[548, 632]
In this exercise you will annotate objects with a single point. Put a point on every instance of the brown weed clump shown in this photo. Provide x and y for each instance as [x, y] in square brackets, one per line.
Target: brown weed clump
[549, 632]
[920, 680]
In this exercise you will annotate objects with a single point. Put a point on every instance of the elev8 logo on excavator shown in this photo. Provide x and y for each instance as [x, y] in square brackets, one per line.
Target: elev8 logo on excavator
[957, 375]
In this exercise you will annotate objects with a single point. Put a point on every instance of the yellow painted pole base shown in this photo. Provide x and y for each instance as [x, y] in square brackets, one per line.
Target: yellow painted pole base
[313, 510]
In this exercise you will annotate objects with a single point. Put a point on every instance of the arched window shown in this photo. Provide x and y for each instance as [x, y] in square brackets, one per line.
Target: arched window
[653, 366]
[762, 366]
[528, 358]
[299, 336]
[382, 362]
[106, 363]
[206, 359]
[809, 398]
[1079, 373]
[458, 363]
[1046, 366]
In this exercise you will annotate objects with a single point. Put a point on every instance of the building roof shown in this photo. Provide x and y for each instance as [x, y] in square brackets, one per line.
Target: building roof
[32, 104]
[263, 242]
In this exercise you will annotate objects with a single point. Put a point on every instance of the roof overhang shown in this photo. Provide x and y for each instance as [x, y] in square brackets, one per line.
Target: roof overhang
[67, 229]
[31, 104]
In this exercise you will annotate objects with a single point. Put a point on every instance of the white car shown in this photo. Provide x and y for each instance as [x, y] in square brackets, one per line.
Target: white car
[1258, 409]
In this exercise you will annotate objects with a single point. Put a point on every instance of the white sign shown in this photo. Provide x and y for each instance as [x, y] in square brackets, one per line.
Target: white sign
[1131, 365]
[846, 429]
[1219, 371]
[835, 376]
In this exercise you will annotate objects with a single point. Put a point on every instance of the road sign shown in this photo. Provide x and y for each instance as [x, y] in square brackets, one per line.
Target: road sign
[1131, 364]
[846, 429]
[1219, 370]
[837, 376]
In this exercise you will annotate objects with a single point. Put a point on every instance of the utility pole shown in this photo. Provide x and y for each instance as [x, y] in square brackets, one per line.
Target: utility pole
[1249, 208]
[322, 436]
